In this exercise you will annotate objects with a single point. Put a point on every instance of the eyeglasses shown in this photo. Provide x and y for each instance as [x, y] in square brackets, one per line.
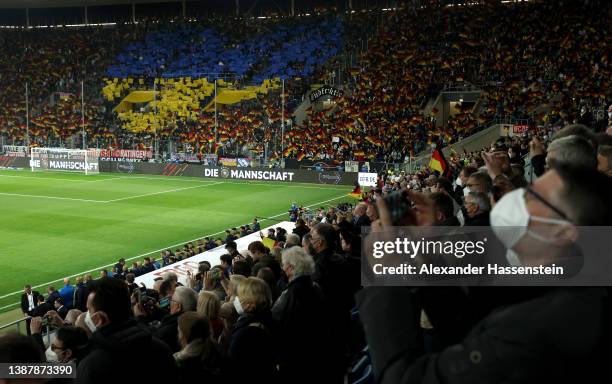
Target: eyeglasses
[546, 203]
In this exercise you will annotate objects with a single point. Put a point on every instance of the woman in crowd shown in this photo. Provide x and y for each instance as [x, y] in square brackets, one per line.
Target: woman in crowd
[252, 343]
[209, 306]
[199, 358]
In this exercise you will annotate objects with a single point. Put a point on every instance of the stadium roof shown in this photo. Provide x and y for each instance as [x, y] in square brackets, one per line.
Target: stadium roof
[72, 3]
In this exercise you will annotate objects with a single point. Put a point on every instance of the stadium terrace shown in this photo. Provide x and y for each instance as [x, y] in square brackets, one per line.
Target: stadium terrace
[137, 243]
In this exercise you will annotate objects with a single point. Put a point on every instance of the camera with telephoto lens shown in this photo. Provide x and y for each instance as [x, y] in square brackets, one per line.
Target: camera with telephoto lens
[398, 205]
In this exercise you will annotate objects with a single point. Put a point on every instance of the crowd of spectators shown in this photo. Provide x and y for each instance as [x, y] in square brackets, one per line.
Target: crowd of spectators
[412, 55]
[271, 309]
[509, 52]
[294, 310]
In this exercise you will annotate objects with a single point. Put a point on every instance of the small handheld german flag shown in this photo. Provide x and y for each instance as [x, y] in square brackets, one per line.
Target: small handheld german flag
[356, 193]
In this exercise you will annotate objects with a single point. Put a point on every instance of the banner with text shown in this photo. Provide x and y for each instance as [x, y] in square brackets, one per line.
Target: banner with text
[459, 256]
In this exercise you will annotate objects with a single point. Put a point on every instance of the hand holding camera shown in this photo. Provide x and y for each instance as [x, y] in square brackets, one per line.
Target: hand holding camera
[36, 325]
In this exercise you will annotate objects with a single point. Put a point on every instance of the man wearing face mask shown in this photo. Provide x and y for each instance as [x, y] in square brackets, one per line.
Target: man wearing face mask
[477, 206]
[546, 334]
[303, 328]
[117, 338]
[536, 223]
[68, 346]
[461, 181]
[183, 299]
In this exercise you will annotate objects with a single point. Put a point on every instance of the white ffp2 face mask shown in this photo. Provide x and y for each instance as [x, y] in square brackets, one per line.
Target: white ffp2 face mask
[238, 306]
[51, 356]
[510, 219]
[89, 323]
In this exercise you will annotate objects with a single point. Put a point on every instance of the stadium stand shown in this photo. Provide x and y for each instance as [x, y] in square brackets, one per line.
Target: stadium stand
[543, 62]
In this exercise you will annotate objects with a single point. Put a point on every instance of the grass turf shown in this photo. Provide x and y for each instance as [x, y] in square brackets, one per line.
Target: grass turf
[61, 224]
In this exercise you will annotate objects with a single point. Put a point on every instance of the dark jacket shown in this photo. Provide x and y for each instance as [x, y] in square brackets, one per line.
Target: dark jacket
[303, 330]
[80, 296]
[270, 262]
[480, 220]
[168, 331]
[147, 268]
[201, 362]
[361, 221]
[525, 342]
[301, 230]
[253, 348]
[62, 311]
[339, 280]
[25, 304]
[52, 297]
[538, 164]
[115, 345]
[41, 309]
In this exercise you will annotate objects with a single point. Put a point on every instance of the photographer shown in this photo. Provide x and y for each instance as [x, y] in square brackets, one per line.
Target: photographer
[117, 339]
[522, 339]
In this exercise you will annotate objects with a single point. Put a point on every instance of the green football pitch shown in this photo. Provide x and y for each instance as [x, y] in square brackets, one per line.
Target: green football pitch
[64, 224]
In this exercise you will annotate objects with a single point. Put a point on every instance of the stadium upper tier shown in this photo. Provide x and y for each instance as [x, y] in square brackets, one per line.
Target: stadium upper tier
[259, 52]
[389, 65]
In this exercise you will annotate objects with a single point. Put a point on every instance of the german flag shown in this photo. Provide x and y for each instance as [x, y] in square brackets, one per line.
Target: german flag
[356, 193]
[437, 162]
[300, 156]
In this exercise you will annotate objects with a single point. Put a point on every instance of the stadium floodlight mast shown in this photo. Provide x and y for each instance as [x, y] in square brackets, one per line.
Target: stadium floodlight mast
[283, 121]
[83, 113]
[216, 109]
[27, 102]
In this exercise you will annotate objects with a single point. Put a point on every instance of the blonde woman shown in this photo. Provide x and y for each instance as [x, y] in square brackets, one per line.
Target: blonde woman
[252, 343]
[209, 307]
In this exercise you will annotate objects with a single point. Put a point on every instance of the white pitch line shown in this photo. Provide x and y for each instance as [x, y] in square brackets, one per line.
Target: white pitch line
[53, 197]
[52, 178]
[230, 181]
[97, 181]
[157, 250]
[188, 179]
[162, 192]
[61, 179]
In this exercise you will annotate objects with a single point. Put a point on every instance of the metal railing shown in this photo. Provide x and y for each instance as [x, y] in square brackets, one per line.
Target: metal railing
[17, 324]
